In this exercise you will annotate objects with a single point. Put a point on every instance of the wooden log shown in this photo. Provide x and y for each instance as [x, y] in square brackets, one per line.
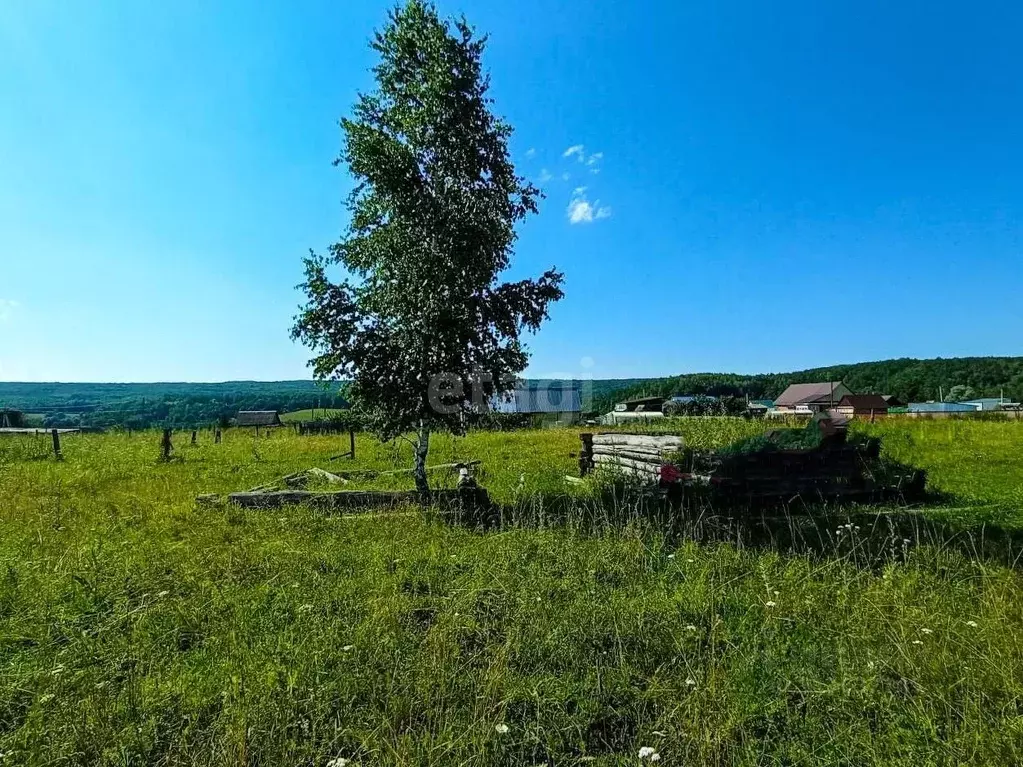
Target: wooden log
[627, 451]
[612, 461]
[356, 499]
[165, 445]
[56, 445]
[374, 473]
[639, 440]
[617, 457]
[643, 474]
[301, 479]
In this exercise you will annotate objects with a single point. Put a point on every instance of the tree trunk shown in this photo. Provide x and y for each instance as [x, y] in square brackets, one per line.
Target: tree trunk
[419, 467]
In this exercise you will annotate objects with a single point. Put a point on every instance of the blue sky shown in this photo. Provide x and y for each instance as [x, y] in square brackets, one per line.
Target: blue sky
[757, 186]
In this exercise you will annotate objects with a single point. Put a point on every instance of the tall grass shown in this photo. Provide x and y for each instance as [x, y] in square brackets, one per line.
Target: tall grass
[139, 628]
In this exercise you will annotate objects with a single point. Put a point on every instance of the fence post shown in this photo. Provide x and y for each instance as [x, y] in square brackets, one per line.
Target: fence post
[165, 445]
[216, 437]
[193, 436]
[351, 441]
[56, 445]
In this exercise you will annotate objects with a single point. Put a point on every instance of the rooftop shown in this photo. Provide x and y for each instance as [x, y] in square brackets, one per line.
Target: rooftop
[555, 398]
[940, 407]
[801, 394]
[258, 418]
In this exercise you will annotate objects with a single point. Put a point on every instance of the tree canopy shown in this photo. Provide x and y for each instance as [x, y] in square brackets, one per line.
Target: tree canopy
[418, 320]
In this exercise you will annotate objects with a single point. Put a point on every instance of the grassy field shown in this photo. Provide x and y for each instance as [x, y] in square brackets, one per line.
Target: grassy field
[319, 414]
[137, 628]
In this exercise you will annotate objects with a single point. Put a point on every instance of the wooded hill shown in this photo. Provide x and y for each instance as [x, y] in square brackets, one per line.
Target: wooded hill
[911, 380]
[141, 405]
[186, 405]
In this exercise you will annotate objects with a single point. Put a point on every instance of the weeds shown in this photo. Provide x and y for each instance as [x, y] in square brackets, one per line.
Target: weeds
[138, 628]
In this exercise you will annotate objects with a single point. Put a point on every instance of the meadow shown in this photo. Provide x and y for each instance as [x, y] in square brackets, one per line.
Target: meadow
[139, 628]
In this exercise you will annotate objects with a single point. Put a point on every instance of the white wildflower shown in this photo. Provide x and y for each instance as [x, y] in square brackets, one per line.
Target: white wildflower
[917, 641]
[926, 631]
[690, 682]
[339, 761]
[972, 623]
[690, 561]
[646, 751]
[655, 757]
[348, 648]
[690, 627]
[671, 556]
[770, 604]
[502, 728]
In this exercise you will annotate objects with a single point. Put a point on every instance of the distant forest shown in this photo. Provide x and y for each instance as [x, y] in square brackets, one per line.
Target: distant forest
[190, 405]
[911, 380]
[179, 405]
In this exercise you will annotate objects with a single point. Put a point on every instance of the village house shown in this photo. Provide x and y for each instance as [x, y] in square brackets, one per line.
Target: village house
[809, 398]
[868, 405]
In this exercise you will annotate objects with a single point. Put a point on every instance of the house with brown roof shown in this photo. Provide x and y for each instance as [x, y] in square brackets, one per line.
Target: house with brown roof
[808, 398]
[869, 405]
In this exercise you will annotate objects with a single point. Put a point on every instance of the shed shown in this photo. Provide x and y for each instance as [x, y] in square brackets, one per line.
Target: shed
[939, 409]
[863, 404]
[989, 404]
[892, 400]
[11, 418]
[557, 401]
[641, 405]
[258, 418]
[685, 399]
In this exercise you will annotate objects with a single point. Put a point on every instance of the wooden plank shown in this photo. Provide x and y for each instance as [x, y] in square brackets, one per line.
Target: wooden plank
[354, 499]
[628, 451]
[638, 440]
[612, 461]
[435, 467]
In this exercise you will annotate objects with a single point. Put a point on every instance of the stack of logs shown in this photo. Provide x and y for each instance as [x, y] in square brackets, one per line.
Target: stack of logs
[641, 455]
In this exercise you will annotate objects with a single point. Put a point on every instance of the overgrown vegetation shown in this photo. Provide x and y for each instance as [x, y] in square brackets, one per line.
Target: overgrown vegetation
[138, 628]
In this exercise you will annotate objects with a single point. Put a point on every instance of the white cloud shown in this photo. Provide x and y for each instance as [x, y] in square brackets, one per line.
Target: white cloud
[566, 176]
[575, 149]
[582, 211]
[7, 307]
[594, 158]
[545, 175]
[531, 152]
